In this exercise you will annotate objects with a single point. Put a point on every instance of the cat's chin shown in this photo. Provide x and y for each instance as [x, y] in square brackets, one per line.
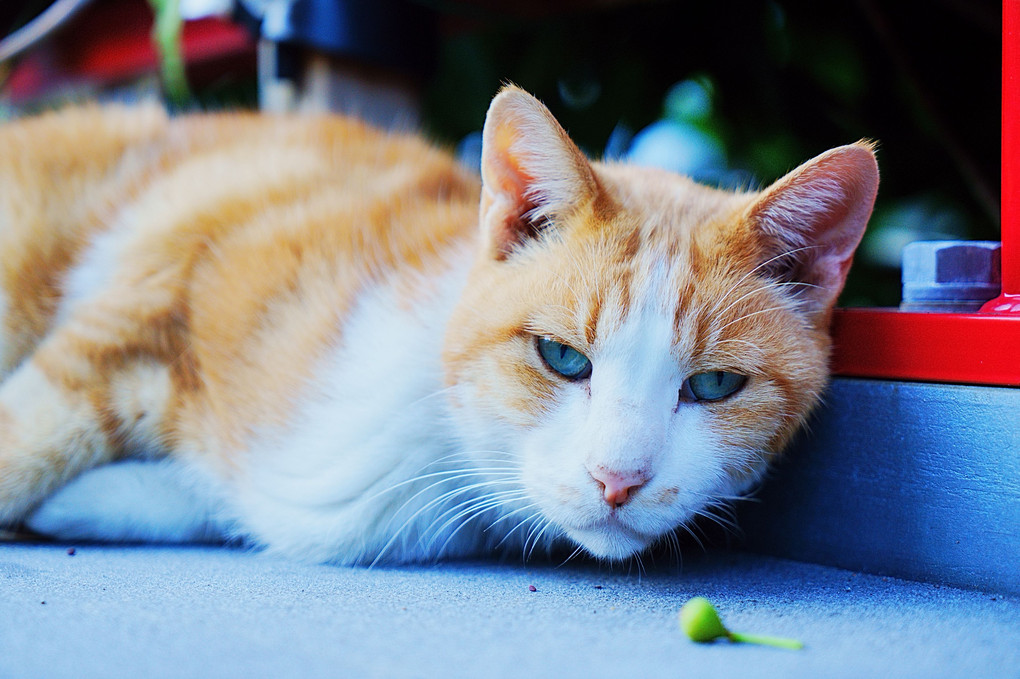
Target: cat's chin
[609, 542]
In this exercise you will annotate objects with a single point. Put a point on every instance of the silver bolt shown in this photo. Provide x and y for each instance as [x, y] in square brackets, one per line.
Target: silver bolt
[950, 275]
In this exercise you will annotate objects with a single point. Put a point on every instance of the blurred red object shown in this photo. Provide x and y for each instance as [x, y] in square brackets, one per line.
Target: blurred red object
[109, 43]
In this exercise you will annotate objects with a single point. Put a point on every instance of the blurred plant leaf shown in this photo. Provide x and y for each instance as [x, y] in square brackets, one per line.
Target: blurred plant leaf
[166, 34]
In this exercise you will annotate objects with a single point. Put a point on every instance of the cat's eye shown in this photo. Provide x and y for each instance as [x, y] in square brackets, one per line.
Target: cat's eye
[564, 359]
[714, 385]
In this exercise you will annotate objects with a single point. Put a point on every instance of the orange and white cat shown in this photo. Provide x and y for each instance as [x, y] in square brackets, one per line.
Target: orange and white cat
[338, 344]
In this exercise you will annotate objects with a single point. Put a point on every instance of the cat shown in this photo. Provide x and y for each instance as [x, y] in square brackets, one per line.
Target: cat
[337, 344]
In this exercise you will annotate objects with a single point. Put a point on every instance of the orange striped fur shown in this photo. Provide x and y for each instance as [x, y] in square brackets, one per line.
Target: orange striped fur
[326, 326]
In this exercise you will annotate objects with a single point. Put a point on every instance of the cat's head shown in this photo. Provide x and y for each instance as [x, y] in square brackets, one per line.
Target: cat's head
[635, 346]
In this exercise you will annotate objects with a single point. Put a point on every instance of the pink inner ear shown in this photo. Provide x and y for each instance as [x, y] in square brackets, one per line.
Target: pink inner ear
[531, 171]
[504, 169]
[506, 202]
[513, 229]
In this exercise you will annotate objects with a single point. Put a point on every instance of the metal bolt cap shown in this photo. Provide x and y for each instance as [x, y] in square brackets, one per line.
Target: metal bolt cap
[950, 275]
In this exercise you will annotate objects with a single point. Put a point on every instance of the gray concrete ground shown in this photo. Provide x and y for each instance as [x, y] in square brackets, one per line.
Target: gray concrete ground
[217, 612]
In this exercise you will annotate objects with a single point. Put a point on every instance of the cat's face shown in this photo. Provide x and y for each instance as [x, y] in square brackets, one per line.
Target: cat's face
[634, 346]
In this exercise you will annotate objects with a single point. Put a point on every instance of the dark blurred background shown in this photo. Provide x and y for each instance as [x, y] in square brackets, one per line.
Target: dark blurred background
[734, 93]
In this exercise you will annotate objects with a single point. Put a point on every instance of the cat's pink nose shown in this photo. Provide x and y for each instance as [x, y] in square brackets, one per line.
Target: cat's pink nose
[617, 487]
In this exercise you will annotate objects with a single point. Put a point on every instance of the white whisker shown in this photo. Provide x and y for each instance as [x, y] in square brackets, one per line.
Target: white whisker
[716, 312]
[473, 505]
[538, 537]
[434, 394]
[531, 517]
[468, 515]
[749, 315]
[578, 550]
[689, 531]
[451, 475]
[448, 495]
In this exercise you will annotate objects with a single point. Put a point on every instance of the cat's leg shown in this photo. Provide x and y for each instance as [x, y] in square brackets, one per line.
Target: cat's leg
[132, 501]
[49, 433]
[85, 397]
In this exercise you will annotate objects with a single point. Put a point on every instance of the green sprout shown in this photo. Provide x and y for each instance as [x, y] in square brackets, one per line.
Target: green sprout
[701, 623]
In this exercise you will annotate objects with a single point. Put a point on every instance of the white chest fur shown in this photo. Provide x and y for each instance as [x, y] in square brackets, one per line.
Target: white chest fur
[336, 484]
[352, 478]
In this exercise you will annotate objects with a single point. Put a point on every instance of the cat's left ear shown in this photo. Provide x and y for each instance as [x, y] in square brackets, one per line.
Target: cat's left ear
[812, 220]
[532, 173]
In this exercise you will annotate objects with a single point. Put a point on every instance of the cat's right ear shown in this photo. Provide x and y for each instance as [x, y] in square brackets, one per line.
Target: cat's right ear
[532, 173]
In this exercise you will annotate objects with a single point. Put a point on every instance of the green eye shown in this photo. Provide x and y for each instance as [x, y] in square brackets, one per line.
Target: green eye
[565, 360]
[711, 386]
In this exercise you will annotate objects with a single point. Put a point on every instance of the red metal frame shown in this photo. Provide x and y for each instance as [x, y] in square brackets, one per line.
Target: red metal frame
[962, 348]
[1009, 302]
[979, 348]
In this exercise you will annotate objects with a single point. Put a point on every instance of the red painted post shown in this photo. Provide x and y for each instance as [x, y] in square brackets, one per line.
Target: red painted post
[1009, 300]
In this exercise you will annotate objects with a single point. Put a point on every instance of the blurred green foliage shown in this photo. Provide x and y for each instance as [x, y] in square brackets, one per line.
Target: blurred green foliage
[787, 81]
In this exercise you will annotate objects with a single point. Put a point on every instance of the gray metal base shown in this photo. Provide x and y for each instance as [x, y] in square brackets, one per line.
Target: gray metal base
[920, 481]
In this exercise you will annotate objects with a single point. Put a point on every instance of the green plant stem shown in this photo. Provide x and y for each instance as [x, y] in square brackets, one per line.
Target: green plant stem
[166, 33]
[766, 641]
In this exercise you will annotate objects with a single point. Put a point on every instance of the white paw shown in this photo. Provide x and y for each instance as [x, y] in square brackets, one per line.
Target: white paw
[131, 501]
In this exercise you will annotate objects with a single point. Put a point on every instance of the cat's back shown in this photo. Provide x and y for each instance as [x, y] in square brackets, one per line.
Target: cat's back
[241, 238]
[318, 213]
[78, 168]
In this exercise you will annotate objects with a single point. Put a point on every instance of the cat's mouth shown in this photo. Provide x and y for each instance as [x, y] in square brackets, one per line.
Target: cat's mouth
[610, 539]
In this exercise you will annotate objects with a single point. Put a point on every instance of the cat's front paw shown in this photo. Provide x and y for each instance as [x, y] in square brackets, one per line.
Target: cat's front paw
[128, 502]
